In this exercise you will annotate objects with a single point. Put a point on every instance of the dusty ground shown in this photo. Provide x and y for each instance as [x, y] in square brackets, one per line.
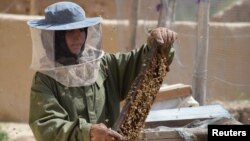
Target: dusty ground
[16, 132]
[21, 131]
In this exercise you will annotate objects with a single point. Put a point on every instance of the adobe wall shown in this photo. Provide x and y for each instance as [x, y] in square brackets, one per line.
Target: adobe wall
[15, 58]
[15, 75]
[104, 8]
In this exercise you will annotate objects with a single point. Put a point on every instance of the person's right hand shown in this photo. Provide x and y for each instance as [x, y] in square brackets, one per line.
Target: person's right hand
[99, 132]
[162, 36]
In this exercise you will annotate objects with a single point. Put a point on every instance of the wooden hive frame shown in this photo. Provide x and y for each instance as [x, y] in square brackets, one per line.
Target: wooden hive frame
[143, 92]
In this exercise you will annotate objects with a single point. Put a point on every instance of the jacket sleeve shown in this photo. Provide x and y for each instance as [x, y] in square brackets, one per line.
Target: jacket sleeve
[124, 67]
[48, 120]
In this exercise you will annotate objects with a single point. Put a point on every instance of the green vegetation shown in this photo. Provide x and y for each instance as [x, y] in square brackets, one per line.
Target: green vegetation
[3, 136]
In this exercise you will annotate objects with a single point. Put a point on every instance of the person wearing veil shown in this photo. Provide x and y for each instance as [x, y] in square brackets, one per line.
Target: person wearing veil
[77, 88]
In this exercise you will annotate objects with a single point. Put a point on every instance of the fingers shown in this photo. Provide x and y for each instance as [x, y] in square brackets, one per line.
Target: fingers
[174, 36]
[115, 135]
[163, 35]
[100, 132]
[157, 35]
[103, 126]
[168, 36]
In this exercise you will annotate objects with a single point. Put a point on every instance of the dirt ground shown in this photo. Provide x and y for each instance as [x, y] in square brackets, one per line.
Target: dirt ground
[15, 132]
[240, 110]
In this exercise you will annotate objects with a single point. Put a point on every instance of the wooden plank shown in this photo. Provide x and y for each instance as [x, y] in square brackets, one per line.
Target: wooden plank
[183, 116]
[173, 91]
[134, 23]
[161, 135]
[178, 139]
[172, 134]
[201, 53]
[167, 13]
[34, 7]
[198, 132]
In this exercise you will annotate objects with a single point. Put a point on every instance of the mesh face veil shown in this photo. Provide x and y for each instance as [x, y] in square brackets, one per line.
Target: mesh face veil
[75, 70]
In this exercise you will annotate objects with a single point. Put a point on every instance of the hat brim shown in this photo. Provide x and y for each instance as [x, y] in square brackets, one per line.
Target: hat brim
[42, 24]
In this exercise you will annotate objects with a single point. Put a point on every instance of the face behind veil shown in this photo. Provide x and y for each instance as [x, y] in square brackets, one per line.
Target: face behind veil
[62, 53]
[52, 57]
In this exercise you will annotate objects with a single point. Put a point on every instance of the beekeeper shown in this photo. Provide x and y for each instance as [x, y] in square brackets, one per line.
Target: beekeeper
[77, 88]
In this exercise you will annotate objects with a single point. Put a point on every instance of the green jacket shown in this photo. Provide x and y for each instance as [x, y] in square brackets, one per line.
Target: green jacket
[59, 113]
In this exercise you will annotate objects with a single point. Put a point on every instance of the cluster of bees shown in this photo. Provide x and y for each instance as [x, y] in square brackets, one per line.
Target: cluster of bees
[142, 93]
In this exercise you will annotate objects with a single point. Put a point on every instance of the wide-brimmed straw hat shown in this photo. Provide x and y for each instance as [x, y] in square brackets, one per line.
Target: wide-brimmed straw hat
[64, 16]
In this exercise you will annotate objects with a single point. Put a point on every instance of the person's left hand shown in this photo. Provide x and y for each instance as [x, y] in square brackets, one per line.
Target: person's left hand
[99, 132]
[162, 36]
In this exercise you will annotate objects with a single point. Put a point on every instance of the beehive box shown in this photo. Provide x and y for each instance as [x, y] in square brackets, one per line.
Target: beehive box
[183, 123]
[174, 134]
